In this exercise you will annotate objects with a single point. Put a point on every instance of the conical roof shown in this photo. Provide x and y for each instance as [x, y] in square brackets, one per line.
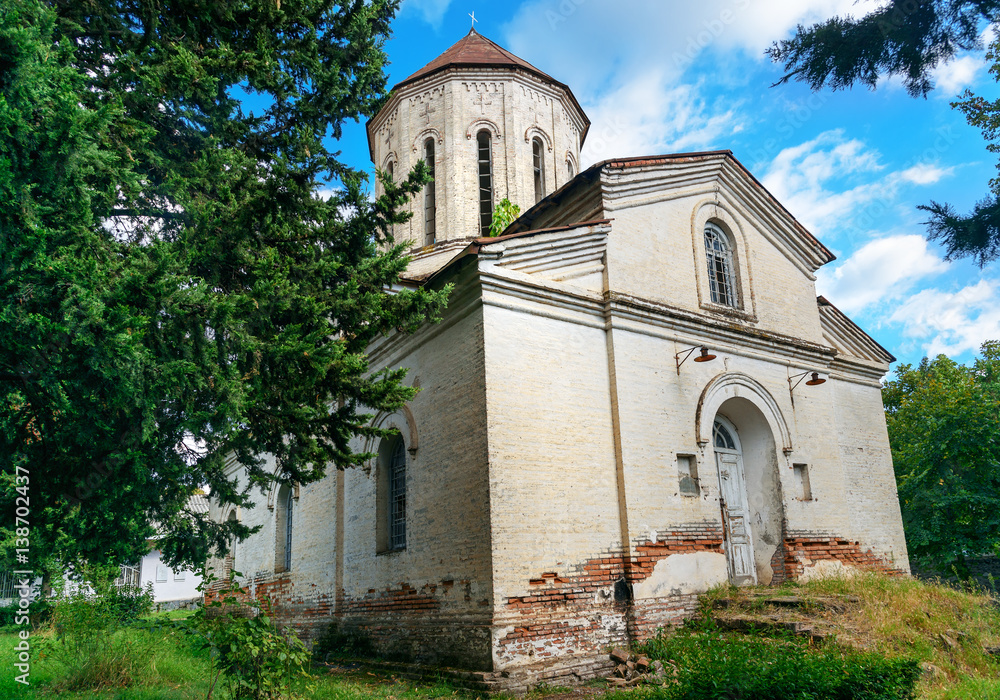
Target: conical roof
[475, 51]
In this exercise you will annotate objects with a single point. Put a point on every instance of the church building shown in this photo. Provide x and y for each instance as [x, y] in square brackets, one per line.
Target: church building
[634, 395]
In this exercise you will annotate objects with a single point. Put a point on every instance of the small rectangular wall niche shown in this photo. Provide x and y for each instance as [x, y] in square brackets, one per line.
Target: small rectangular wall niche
[802, 481]
[687, 474]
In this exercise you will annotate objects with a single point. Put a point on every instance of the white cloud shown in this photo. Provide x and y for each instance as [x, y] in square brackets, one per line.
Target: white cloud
[925, 174]
[956, 75]
[879, 271]
[952, 322]
[432, 11]
[575, 38]
[801, 176]
[626, 61]
[647, 116]
[808, 179]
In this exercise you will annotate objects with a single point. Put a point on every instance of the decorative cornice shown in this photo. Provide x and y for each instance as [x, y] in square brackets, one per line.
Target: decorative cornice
[845, 335]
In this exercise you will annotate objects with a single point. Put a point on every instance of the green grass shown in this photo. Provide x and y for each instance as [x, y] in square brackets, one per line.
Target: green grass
[893, 619]
[904, 618]
[704, 664]
[177, 670]
[170, 615]
[900, 616]
[180, 672]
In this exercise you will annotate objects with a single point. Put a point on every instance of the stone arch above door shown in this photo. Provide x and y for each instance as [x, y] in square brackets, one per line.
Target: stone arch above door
[738, 385]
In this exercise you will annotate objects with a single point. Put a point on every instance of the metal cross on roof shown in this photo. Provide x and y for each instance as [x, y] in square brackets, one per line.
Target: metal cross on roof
[474, 20]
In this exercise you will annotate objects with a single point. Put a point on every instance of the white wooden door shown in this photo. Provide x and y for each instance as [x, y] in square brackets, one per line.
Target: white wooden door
[733, 500]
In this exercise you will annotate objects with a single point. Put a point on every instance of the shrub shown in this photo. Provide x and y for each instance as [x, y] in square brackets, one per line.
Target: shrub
[255, 659]
[38, 610]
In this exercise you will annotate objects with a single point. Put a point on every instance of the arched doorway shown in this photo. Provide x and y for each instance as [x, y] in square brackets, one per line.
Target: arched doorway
[738, 539]
[750, 491]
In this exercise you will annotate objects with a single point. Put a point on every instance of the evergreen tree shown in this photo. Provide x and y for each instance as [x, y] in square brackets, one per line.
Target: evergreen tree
[174, 293]
[909, 38]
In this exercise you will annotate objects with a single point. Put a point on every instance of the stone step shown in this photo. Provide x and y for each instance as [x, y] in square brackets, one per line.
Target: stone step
[772, 624]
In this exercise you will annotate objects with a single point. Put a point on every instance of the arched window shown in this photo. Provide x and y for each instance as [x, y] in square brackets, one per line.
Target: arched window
[569, 169]
[430, 206]
[485, 160]
[722, 438]
[288, 530]
[538, 167]
[397, 497]
[721, 278]
[284, 516]
[390, 528]
[390, 168]
[230, 562]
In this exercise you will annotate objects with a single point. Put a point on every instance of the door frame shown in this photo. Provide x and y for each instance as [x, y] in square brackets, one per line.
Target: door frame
[741, 485]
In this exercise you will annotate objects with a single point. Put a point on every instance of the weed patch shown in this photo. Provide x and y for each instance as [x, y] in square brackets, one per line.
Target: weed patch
[91, 639]
[710, 665]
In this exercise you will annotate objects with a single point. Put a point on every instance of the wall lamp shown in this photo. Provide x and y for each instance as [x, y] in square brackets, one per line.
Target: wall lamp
[703, 356]
[814, 380]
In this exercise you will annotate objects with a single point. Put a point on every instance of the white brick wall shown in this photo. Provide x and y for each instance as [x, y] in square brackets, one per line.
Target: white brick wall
[514, 107]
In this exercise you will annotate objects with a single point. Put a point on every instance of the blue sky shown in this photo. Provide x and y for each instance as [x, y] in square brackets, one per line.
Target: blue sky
[668, 77]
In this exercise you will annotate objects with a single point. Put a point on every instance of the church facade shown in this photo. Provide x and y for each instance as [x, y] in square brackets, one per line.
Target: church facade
[634, 395]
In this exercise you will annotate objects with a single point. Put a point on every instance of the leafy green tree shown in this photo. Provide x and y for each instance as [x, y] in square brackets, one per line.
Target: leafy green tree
[944, 430]
[504, 214]
[173, 290]
[908, 38]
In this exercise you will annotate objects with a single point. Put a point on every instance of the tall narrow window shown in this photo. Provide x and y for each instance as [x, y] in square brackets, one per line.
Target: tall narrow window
[284, 504]
[719, 254]
[288, 530]
[538, 166]
[229, 564]
[397, 497]
[485, 157]
[569, 169]
[430, 206]
[390, 168]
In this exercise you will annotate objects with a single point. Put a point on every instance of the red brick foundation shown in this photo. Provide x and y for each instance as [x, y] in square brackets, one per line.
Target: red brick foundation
[591, 608]
[801, 550]
[563, 621]
[402, 623]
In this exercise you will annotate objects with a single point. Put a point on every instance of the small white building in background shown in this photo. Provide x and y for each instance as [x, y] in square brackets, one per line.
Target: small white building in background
[172, 588]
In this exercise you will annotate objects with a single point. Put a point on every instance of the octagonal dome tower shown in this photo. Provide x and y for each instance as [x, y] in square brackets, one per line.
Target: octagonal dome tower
[490, 125]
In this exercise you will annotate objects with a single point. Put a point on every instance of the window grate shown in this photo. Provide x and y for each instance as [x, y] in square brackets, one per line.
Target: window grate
[720, 266]
[538, 165]
[485, 182]
[430, 205]
[397, 498]
[128, 576]
[288, 530]
[7, 583]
